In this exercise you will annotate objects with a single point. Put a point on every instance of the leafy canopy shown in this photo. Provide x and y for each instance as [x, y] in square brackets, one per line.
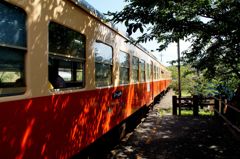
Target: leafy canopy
[212, 26]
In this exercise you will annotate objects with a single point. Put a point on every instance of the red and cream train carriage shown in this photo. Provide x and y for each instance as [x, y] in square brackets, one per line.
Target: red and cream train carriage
[66, 78]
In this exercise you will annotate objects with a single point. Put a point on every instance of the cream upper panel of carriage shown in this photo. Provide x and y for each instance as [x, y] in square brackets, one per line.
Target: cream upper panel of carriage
[39, 15]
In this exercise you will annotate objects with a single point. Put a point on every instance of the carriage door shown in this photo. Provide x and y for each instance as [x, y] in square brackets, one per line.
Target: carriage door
[151, 80]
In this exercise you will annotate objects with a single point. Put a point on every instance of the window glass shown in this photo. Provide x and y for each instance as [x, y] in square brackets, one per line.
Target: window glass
[142, 69]
[103, 53]
[12, 49]
[65, 41]
[124, 67]
[66, 57]
[162, 73]
[151, 71]
[148, 72]
[135, 69]
[12, 25]
[155, 72]
[103, 64]
[124, 59]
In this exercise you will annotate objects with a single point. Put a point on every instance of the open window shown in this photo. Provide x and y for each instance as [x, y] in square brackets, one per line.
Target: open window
[66, 57]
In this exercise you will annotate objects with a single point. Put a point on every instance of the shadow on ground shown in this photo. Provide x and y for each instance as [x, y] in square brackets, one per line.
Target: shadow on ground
[174, 137]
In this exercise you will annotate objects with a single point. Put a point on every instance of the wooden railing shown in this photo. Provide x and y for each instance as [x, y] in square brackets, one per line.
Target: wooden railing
[221, 107]
[190, 103]
[229, 113]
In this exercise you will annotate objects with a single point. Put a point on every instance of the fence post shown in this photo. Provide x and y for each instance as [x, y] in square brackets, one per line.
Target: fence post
[174, 102]
[223, 105]
[220, 105]
[216, 106]
[195, 105]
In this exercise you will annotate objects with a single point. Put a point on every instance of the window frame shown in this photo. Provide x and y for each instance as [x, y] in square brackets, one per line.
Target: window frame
[154, 72]
[81, 61]
[104, 63]
[147, 72]
[138, 68]
[18, 87]
[142, 72]
[124, 67]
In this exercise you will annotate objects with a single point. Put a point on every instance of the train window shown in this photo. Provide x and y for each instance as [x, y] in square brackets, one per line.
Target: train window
[12, 49]
[66, 57]
[148, 72]
[142, 69]
[135, 69]
[162, 74]
[103, 64]
[155, 72]
[151, 71]
[124, 68]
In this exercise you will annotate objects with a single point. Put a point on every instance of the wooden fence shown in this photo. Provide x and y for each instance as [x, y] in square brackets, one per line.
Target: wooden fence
[220, 105]
[191, 103]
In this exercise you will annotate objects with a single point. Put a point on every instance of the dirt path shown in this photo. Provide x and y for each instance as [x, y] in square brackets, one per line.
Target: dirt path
[173, 137]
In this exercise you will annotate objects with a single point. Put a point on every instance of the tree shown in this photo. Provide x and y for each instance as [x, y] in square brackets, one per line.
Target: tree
[191, 79]
[211, 25]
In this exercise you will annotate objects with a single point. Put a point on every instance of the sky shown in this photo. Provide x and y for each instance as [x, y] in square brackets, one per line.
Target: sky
[164, 56]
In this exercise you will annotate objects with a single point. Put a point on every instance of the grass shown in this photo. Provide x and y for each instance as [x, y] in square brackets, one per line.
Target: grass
[185, 93]
[201, 112]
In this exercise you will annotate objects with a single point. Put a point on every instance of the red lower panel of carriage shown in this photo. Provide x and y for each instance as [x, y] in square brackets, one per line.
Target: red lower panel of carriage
[59, 126]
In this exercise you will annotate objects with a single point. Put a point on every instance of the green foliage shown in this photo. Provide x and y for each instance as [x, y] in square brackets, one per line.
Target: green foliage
[212, 26]
[187, 79]
[192, 82]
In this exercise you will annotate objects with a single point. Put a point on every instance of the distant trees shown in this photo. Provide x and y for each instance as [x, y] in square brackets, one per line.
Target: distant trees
[212, 26]
[192, 83]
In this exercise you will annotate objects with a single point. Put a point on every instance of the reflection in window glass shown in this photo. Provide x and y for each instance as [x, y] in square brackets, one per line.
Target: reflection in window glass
[155, 72]
[135, 69]
[103, 74]
[148, 72]
[124, 68]
[67, 57]
[124, 59]
[103, 53]
[103, 64]
[151, 71]
[12, 49]
[12, 25]
[65, 41]
[142, 70]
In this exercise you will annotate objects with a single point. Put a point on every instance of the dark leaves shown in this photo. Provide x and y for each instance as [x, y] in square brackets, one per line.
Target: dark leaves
[212, 26]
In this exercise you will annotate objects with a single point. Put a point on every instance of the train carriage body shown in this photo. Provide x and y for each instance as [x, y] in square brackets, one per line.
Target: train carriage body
[66, 78]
